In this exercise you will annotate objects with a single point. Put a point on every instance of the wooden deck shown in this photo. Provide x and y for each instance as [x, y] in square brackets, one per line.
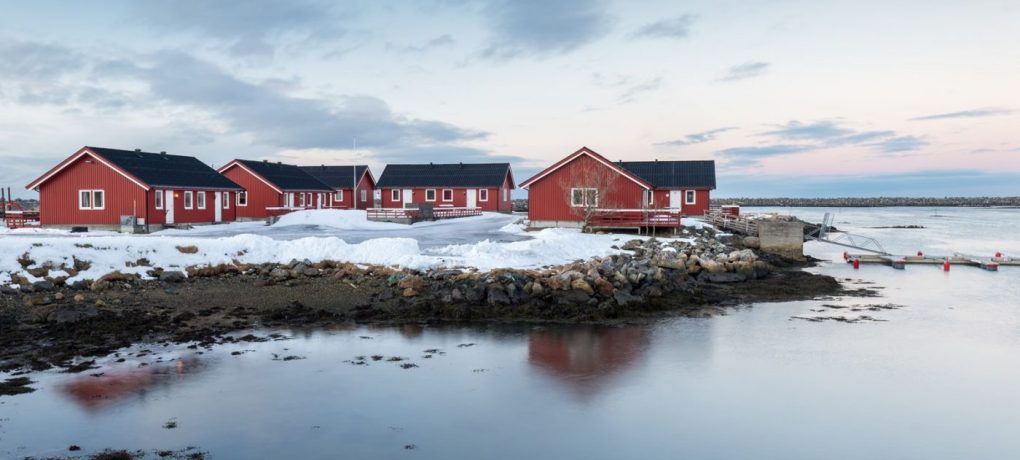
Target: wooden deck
[635, 219]
[986, 263]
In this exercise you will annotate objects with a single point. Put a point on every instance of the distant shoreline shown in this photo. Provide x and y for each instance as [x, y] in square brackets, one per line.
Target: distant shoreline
[949, 202]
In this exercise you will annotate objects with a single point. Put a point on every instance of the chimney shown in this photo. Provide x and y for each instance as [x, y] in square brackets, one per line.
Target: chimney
[138, 150]
[162, 152]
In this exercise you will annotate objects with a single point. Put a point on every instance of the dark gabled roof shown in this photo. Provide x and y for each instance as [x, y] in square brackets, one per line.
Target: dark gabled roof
[162, 170]
[336, 176]
[285, 177]
[674, 174]
[445, 175]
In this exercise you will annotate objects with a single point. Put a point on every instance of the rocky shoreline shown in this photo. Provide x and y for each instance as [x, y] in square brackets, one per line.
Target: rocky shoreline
[51, 323]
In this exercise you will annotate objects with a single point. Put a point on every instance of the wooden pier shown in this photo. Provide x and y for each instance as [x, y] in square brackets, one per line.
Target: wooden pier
[986, 263]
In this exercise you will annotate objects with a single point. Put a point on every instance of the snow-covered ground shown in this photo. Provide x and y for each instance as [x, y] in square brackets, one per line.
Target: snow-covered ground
[485, 242]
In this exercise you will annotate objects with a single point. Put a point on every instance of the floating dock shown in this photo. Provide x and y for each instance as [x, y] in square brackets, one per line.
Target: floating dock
[986, 263]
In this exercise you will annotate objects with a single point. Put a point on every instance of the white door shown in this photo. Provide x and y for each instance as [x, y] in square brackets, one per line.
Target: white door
[218, 204]
[169, 203]
[472, 198]
[407, 195]
[674, 199]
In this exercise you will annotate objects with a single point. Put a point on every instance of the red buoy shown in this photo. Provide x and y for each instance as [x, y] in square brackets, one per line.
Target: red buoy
[857, 264]
[997, 254]
[945, 265]
[920, 253]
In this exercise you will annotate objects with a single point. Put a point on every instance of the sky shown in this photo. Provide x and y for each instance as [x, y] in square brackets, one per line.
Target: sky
[790, 98]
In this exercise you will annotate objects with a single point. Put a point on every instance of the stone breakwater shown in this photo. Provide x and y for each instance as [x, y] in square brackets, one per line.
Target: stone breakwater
[50, 322]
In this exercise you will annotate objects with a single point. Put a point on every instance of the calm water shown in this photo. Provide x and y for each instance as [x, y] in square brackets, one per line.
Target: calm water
[937, 379]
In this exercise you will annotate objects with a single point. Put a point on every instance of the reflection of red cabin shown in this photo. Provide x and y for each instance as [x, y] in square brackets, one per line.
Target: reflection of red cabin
[585, 358]
[353, 186]
[484, 186]
[274, 188]
[555, 193]
[96, 186]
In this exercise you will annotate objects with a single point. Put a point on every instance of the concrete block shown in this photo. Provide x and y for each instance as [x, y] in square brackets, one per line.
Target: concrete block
[784, 238]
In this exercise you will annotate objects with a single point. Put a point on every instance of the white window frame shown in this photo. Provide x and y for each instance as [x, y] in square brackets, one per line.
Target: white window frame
[200, 200]
[339, 195]
[693, 195]
[189, 200]
[427, 192]
[301, 201]
[242, 199]
[91, 194]
[651, 197]
[584, 197]
[506, 192]
[226, 200]
[364, 195]
[444, 195]
[483, 194]
[158, 199]
[395, 194]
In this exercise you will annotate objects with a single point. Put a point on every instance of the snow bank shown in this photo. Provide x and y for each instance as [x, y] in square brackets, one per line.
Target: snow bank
[107, 254]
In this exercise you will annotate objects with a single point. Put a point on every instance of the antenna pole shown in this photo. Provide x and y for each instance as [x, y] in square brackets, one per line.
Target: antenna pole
[354, 175]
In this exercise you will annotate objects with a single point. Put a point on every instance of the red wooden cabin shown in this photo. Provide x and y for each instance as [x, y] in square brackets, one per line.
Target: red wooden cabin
[586, 185]
[96, 186]
[272, 189]
[353, 186]
[484, 186]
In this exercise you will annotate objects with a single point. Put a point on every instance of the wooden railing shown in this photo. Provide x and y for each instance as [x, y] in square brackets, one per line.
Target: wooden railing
[21, 219]
[733, 223]
[415, 214]
[635, 218]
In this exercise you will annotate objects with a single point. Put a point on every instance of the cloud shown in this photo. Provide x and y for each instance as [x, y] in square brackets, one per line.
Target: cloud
[633, 91]
[900, 144]
[745, 71]
[825, 131]
[543, 28]
[438, 42]
[696, 138]
[747, 155]
[975, 113]
[249, 29]
[679, 27]
[33, 60]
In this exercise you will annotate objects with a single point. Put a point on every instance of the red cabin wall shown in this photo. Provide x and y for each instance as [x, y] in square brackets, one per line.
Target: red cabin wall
[58, 196]
[194, 215]
[506, 205]
[700, 206]
[459, 197]
[365, 184]
[549, 197]
[260, 195]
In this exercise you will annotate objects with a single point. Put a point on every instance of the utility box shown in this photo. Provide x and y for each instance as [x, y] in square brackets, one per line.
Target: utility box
[131, 224]
[426, 211]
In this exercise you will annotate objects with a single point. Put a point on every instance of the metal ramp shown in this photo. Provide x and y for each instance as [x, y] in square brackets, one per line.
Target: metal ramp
[847, 240]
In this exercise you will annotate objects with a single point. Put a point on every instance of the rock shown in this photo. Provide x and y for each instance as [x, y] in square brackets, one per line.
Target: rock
[108, 279]
[725, 277]
[43, 286]
[173, 276]
[38, 300]
[604, 288]
[261, 283]
[412, 285]
[582, 285]
[79, 298]
[712, 266]
[58, 296]
[624, 298]
[19, 280]
[410, 292]
[6, 290]
[73, 314]
[752, 242]
[39, 272]
[496, 295]
[310, 272]
[192, 249]
[279, 273]
[536, 288]
[631, 245]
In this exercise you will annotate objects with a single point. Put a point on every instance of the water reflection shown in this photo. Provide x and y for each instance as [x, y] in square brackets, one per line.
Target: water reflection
[586, 359]
[96, 392]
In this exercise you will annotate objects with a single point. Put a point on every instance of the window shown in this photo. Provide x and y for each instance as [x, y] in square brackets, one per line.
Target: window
[430, 194]
[226, 200]
[188, 198]
[91, 199]
[159, 199]
[506, 192]
[649, 197]
[447, 194]
[395, 195]
[302, 200]
[584, 197]
[201, 200]
[339, 195]
[364, 195]
[242, 198]
[689, 197]
[483, 194]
